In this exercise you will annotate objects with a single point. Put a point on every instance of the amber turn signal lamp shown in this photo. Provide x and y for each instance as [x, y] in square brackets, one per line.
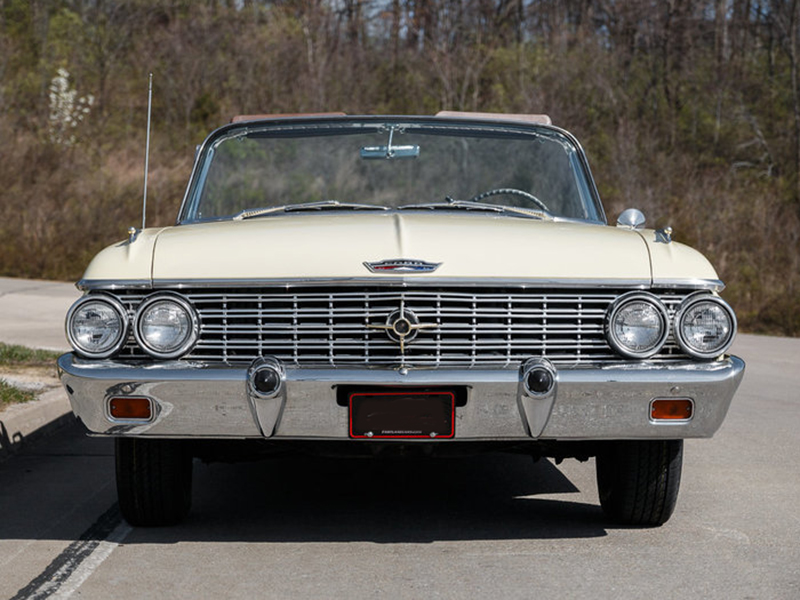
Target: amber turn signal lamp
[674, 410]
[130, 408]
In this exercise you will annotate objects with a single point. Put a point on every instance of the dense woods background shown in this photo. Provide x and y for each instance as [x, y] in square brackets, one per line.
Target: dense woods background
[688, 110]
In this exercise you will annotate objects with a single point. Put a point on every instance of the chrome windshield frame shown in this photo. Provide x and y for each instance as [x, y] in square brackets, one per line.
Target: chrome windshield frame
[205, 152]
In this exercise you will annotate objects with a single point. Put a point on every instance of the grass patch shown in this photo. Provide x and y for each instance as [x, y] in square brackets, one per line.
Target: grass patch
[12, 395]
[20, 356]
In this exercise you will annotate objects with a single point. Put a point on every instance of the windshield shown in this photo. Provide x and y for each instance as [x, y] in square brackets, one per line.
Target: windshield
[269, 169]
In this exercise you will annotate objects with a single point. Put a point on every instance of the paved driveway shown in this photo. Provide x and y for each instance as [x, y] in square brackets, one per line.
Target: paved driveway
[32, 312]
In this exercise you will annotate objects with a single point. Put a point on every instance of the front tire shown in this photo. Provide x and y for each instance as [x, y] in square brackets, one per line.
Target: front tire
[154, 481]
[638, 481]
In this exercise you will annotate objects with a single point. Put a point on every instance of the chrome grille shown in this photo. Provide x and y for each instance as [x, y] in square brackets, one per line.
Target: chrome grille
[473, 326]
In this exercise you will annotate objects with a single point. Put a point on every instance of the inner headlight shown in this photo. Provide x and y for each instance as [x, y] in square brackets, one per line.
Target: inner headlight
[166, 326]
[97, 326]
[705, 326]
[637, 325]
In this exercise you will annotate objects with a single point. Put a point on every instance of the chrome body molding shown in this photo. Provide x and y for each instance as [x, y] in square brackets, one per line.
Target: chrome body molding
[714, 285]
[86, 285]
[711, 285]
[201, 400]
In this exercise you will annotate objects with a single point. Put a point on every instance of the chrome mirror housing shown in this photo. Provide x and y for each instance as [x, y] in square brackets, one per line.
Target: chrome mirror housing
[631, 218]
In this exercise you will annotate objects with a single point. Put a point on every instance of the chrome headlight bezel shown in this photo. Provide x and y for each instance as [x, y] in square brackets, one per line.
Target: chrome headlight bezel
[193, 325]
[119, 311]
[616, 309]
[680, 315]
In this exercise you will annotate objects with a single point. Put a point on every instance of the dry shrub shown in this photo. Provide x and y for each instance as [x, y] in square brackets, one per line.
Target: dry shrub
[60, 206]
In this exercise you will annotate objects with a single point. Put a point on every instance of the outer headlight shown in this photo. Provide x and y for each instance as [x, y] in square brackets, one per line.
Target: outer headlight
[705, 326]
[97, 326]
[637, 325]
[166, 326]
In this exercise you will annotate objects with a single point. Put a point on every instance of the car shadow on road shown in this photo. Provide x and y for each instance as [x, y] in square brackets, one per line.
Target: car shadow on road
[485, 497]
[60, 486]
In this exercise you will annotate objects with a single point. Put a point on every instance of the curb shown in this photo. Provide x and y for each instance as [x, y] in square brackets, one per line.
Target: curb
[22, 424]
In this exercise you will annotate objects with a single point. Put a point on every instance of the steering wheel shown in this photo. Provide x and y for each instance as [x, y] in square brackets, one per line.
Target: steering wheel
[510, 192]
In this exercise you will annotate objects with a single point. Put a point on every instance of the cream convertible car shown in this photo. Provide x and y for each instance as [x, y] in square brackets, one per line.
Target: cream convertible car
[380, 285]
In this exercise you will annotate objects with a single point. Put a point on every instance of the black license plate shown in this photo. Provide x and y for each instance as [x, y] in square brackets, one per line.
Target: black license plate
[402, 415]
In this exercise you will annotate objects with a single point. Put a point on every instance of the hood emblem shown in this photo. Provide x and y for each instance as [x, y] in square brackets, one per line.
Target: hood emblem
[402, 326]
[401, 265]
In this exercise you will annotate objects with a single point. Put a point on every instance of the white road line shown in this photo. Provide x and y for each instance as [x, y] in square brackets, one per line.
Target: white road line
[22, 546]
[90, 564]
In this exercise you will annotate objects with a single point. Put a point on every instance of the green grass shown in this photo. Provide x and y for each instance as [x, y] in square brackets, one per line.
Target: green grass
[12, 358]
[12, 395]
[20, 356]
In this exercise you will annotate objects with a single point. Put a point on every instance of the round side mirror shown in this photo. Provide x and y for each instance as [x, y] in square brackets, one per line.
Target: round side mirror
[631, 218]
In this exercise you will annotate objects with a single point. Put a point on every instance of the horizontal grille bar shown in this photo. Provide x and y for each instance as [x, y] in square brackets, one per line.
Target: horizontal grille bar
[343, 327]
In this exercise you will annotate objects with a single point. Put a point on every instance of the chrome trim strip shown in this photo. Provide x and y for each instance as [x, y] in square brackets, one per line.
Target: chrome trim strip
[86, 285]
[714, 285]
[422, 281]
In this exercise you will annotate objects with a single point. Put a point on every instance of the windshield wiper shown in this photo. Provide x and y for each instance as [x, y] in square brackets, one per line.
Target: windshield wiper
[249, 213]
[471, 205]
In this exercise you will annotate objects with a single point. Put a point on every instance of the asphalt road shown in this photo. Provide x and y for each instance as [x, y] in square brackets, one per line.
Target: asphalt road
[32, 312]
[492, 526]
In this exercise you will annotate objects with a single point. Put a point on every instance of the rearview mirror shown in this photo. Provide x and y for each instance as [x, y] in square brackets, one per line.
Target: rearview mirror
[389, 152]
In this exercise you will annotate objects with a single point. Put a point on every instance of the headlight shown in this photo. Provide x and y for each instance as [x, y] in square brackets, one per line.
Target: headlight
[166, 326]
[97, 326]
[705, 326]
[637, 325]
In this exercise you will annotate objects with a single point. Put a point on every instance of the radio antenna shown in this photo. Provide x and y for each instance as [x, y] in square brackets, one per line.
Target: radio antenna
[147, 149]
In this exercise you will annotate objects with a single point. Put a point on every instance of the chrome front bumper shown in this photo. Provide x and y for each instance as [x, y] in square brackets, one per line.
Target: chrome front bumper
[197, 400]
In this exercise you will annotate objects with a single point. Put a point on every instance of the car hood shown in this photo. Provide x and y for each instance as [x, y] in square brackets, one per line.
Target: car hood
[466, 246]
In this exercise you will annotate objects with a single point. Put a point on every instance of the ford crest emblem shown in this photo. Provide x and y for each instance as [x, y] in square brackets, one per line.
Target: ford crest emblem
[402, 265]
